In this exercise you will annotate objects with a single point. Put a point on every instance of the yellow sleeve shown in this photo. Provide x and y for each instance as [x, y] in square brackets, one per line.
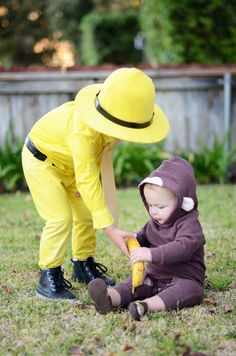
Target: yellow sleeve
[86, 151]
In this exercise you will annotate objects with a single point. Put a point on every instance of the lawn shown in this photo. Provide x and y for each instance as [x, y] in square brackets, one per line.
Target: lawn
[32, 326]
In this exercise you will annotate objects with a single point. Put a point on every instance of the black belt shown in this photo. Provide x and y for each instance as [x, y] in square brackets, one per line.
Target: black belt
[37, 154]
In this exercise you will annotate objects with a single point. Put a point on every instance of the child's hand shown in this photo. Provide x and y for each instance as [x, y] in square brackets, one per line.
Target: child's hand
[117, 236]
[141, 254]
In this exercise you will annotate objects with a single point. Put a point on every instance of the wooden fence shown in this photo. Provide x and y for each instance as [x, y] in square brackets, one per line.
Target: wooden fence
[199, 103]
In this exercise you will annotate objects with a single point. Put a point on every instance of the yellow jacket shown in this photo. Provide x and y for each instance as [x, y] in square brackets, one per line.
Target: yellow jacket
[76, 149]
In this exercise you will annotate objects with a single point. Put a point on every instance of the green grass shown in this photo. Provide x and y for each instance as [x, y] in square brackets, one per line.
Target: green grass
[30, 326]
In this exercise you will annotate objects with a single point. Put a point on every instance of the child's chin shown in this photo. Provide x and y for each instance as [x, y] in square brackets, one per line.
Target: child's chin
[159, 221]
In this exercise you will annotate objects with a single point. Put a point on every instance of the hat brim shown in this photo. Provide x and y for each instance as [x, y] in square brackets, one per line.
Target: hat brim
[86, 111]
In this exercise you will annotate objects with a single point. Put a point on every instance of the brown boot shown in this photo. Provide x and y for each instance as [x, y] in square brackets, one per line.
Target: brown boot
[137, 310]
[97, 290]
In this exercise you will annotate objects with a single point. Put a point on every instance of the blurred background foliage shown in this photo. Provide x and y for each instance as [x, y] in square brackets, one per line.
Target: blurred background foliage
[132, 163]
[109, 38]
[97, 32]
[94, 32]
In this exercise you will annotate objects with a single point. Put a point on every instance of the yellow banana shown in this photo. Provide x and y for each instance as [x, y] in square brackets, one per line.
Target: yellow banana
[137, 267]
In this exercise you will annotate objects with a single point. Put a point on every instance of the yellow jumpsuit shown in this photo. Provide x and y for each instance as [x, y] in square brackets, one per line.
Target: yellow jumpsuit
[74, 152]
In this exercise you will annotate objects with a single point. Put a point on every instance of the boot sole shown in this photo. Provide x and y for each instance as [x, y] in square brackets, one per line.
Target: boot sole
[41, 296]
[97, 291]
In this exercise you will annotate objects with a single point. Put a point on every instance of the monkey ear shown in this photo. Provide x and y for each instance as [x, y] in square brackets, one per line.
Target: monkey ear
[152, 180]
[187, 204]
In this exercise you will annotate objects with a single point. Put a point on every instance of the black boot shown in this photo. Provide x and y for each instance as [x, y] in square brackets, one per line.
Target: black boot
[53, 285]
[86, 271]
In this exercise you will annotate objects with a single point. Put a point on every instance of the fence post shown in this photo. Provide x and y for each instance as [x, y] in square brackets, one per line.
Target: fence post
[227, 110]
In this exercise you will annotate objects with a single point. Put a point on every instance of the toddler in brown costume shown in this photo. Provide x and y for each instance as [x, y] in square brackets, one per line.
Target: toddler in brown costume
[171, 244]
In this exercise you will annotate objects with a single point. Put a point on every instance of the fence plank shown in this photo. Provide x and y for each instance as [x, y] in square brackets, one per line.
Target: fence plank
[5, 116]
[193, 102]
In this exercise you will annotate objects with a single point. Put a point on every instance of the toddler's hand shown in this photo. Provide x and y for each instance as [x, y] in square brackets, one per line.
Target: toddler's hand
[141, 254]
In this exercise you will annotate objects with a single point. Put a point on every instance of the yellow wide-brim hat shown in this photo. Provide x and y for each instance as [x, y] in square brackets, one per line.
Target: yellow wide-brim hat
[123, 107]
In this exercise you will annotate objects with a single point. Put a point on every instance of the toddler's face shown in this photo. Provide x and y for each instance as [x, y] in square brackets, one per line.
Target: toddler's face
[161, 202]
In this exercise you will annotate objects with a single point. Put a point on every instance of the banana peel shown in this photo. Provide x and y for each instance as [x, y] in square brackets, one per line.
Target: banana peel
[137, 267]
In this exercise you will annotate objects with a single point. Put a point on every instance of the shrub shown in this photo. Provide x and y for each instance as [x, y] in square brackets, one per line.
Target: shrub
[11, 171]
[214, 164]
[176, 31]
[109, 38]
[133, 162]
[158, 31]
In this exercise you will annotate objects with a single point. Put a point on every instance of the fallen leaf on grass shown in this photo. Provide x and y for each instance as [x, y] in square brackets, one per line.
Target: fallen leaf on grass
[5, 290]
[211, 301]
[83, 306]
[98, 342]
[128, 326]
[233, 285]
[75, 351]
[212, 311]
[221, 348]
[188, 352]
[28, 198]
[210, 254]
[37, 274]
[125, 326]
[177, 336]
[26, 215]
[228, 308]
[128, 347]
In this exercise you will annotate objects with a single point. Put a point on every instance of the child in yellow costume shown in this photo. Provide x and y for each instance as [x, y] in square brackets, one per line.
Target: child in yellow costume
[62, 159]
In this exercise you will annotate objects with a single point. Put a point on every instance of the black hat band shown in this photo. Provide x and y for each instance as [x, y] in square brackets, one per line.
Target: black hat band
[132, 125]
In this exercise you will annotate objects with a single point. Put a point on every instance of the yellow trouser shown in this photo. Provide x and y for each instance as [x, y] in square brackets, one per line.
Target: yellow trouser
[65, 214]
